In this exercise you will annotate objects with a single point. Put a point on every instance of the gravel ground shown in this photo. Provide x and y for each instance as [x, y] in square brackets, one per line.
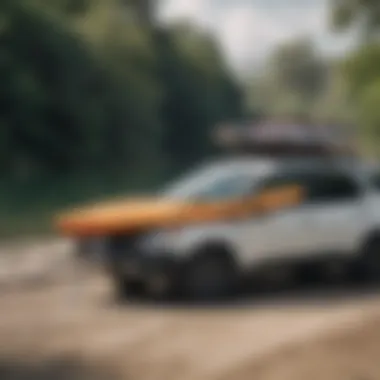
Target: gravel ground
[58, 322]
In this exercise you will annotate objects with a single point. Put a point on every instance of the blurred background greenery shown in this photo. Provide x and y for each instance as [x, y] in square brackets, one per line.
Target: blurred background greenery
[97, 99]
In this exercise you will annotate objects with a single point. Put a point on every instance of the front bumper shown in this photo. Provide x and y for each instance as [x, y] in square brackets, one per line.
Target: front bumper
[142, 266]
[157, 273]
[126, 262]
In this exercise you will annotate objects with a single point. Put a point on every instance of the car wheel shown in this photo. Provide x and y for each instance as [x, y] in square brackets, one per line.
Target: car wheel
[127, 289]
[336, 272]
[210, 277]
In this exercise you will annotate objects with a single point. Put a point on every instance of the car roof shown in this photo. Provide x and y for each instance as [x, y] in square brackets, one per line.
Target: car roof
[249, 163]
[285, 138]
[268, 165]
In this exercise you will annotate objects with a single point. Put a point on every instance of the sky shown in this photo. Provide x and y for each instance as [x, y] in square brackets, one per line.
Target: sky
[249, 29]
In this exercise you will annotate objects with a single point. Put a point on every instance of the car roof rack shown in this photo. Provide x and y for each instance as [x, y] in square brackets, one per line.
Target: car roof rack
[276, 139]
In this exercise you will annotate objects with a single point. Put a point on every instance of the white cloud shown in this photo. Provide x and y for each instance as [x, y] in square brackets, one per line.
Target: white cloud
[246, 34]
[249, 29]
[196, 10]
[249, 32]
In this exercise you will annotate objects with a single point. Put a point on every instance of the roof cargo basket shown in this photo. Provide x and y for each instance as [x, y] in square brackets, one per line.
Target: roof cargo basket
[285, 139]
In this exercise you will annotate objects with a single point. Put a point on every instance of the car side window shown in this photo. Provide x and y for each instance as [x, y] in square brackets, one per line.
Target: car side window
[333, 187]
[287, 179]
[319, 187]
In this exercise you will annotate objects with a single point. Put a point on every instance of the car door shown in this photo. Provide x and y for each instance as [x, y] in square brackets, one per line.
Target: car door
[282, 233]
[333, 213]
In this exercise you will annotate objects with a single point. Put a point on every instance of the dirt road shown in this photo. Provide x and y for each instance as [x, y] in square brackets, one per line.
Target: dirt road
[73, 317]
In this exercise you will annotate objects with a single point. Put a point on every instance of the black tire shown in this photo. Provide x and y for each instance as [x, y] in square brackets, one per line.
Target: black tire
[335, 272]
[209, 277]
[127, 289]
[369, 265]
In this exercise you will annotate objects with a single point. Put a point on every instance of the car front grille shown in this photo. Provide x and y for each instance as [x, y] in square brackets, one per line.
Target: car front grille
[121, 247]
[122, 244]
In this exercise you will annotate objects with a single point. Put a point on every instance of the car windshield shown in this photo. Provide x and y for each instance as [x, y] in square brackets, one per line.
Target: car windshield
[216, 182]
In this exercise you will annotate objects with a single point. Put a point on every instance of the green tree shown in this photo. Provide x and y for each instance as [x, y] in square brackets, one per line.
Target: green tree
[144, 10]
[363, 14]
[44, 72]
[293, 79]
[199, 94]
[334, 103]
[362, 67]
[71, 101]
[361, 73]
[87, 86]
[369, 116]
[126, 50]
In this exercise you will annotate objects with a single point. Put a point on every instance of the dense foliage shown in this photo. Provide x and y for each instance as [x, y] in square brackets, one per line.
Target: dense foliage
[87, 86]
[361, 68]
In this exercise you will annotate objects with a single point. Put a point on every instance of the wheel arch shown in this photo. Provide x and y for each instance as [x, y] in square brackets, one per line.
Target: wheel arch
[219, 247]
[369, 238]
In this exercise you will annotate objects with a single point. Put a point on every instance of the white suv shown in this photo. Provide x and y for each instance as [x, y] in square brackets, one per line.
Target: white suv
[335, 226]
